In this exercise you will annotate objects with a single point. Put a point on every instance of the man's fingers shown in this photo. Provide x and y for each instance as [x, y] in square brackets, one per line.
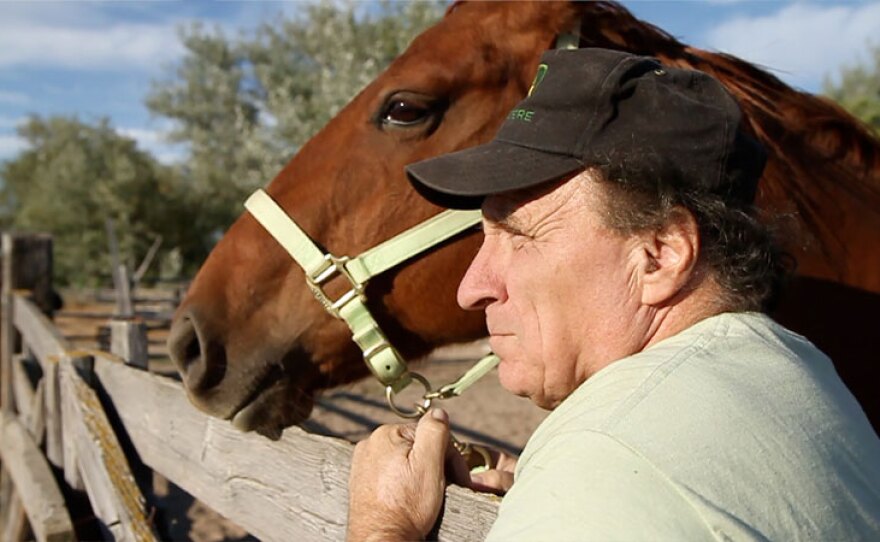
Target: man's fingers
[505, 462]
[494, 481]
[432, 437]
[405, 433]
[457, 471]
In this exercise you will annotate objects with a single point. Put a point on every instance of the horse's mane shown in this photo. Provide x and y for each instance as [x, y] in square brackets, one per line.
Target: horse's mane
[815, 146]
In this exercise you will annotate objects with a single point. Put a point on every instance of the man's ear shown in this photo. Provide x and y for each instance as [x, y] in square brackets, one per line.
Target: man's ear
[670, 257]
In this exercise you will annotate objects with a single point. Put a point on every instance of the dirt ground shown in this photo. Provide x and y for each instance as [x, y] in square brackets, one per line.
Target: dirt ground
[485, 414]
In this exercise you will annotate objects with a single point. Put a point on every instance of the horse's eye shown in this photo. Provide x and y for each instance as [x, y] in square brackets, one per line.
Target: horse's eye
[405, 109]
[404, 113]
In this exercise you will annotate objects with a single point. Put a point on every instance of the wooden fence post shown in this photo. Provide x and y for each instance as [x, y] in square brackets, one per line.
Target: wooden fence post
[128, 340]
[31, 268]
[121, 276]
[8, 331]
[122, 282]
[7, 350]
[27, 264]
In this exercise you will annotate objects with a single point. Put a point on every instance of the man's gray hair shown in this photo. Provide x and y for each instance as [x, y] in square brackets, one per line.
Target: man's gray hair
[738, 250]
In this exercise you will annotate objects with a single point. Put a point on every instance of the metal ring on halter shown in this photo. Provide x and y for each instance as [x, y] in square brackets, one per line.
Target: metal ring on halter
[420, 408]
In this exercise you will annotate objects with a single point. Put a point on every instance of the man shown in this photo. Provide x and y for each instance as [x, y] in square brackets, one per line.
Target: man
[622, 275]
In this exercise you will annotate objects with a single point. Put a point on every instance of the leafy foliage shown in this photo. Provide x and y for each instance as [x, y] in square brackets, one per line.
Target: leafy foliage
[76, 175]
[244, 106]
[859, 90]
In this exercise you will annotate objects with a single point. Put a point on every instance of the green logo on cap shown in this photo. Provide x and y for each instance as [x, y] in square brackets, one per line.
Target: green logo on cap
[542, 71]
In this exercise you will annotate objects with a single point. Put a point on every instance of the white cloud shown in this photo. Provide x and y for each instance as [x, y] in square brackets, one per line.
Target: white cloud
[80, 35]
[151, 141]
[7, 122]
[802, 42]
[121, 46]
[155, 142]
[142, 135]
[10, 145]
[14, 98]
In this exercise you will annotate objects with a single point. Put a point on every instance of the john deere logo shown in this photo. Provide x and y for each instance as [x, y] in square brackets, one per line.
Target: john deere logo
[542, 71]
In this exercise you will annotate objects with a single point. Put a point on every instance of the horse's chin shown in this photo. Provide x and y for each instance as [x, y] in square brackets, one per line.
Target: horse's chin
[269, 395]
[273, 411]
[274, 408]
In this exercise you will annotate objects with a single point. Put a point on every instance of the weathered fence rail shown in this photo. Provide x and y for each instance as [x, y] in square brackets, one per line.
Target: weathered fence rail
[294, 488]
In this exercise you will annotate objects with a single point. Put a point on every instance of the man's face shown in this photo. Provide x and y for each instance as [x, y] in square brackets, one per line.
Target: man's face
[560, 289]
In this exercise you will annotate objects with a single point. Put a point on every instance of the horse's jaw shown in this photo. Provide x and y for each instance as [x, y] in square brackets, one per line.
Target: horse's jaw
[259, 391]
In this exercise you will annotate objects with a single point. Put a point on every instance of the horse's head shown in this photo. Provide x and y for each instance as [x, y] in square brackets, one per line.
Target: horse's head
[251, 342]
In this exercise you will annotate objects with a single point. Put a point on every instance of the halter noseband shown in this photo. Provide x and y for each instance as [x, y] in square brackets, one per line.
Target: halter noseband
[383, 360]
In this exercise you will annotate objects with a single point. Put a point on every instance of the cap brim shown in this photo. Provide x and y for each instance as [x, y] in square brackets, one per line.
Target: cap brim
[460, 180]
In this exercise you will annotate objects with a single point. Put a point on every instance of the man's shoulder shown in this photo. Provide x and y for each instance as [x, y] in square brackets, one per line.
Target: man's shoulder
[611, 396]
[740, 367]
[709, 410]
[589, 485]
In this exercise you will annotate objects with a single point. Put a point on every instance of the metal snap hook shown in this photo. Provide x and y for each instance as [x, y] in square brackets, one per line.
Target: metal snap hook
[420, 408]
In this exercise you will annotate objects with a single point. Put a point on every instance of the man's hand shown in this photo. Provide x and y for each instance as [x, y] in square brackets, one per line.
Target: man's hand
[397, 480]
[497, 480]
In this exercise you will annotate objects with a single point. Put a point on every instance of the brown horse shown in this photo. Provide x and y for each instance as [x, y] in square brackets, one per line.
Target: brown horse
[253, 344]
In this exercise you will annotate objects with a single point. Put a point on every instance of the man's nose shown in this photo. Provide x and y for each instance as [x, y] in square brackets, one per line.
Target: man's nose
[481, 285]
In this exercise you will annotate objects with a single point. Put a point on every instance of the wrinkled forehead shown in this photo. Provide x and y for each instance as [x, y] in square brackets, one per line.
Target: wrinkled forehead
[511, 208]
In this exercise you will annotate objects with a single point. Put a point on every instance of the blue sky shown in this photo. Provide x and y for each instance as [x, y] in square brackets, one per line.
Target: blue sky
[94, 59]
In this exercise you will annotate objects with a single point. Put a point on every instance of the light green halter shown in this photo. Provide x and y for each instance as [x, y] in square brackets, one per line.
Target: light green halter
[383, 360]
[381, 357]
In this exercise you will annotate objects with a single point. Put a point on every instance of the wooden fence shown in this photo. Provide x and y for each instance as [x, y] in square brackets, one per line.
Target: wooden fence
[57, 407]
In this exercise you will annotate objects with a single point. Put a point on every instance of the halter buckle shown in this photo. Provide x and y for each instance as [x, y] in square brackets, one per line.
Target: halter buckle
[334, 267]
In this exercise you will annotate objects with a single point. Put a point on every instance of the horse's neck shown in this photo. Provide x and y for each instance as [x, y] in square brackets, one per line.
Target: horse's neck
[824, 166]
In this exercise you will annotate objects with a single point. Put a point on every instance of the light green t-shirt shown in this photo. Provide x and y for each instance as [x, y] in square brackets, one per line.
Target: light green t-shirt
[734, 429]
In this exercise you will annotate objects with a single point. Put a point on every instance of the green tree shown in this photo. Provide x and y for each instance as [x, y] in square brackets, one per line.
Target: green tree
[216, 118]
[859, 89]
[72, 178]
[245, 105]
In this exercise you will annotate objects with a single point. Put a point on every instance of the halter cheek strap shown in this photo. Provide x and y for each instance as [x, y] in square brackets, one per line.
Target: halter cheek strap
[381, 357]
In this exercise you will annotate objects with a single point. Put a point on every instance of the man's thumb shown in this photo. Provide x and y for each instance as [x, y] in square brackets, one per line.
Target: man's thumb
[432, 436]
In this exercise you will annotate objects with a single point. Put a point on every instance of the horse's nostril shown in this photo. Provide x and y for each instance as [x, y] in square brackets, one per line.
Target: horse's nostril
[183, 343]
[192, 352]
[200, 363]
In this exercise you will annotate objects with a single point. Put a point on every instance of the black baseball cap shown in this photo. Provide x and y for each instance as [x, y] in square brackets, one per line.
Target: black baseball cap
[597, 107]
